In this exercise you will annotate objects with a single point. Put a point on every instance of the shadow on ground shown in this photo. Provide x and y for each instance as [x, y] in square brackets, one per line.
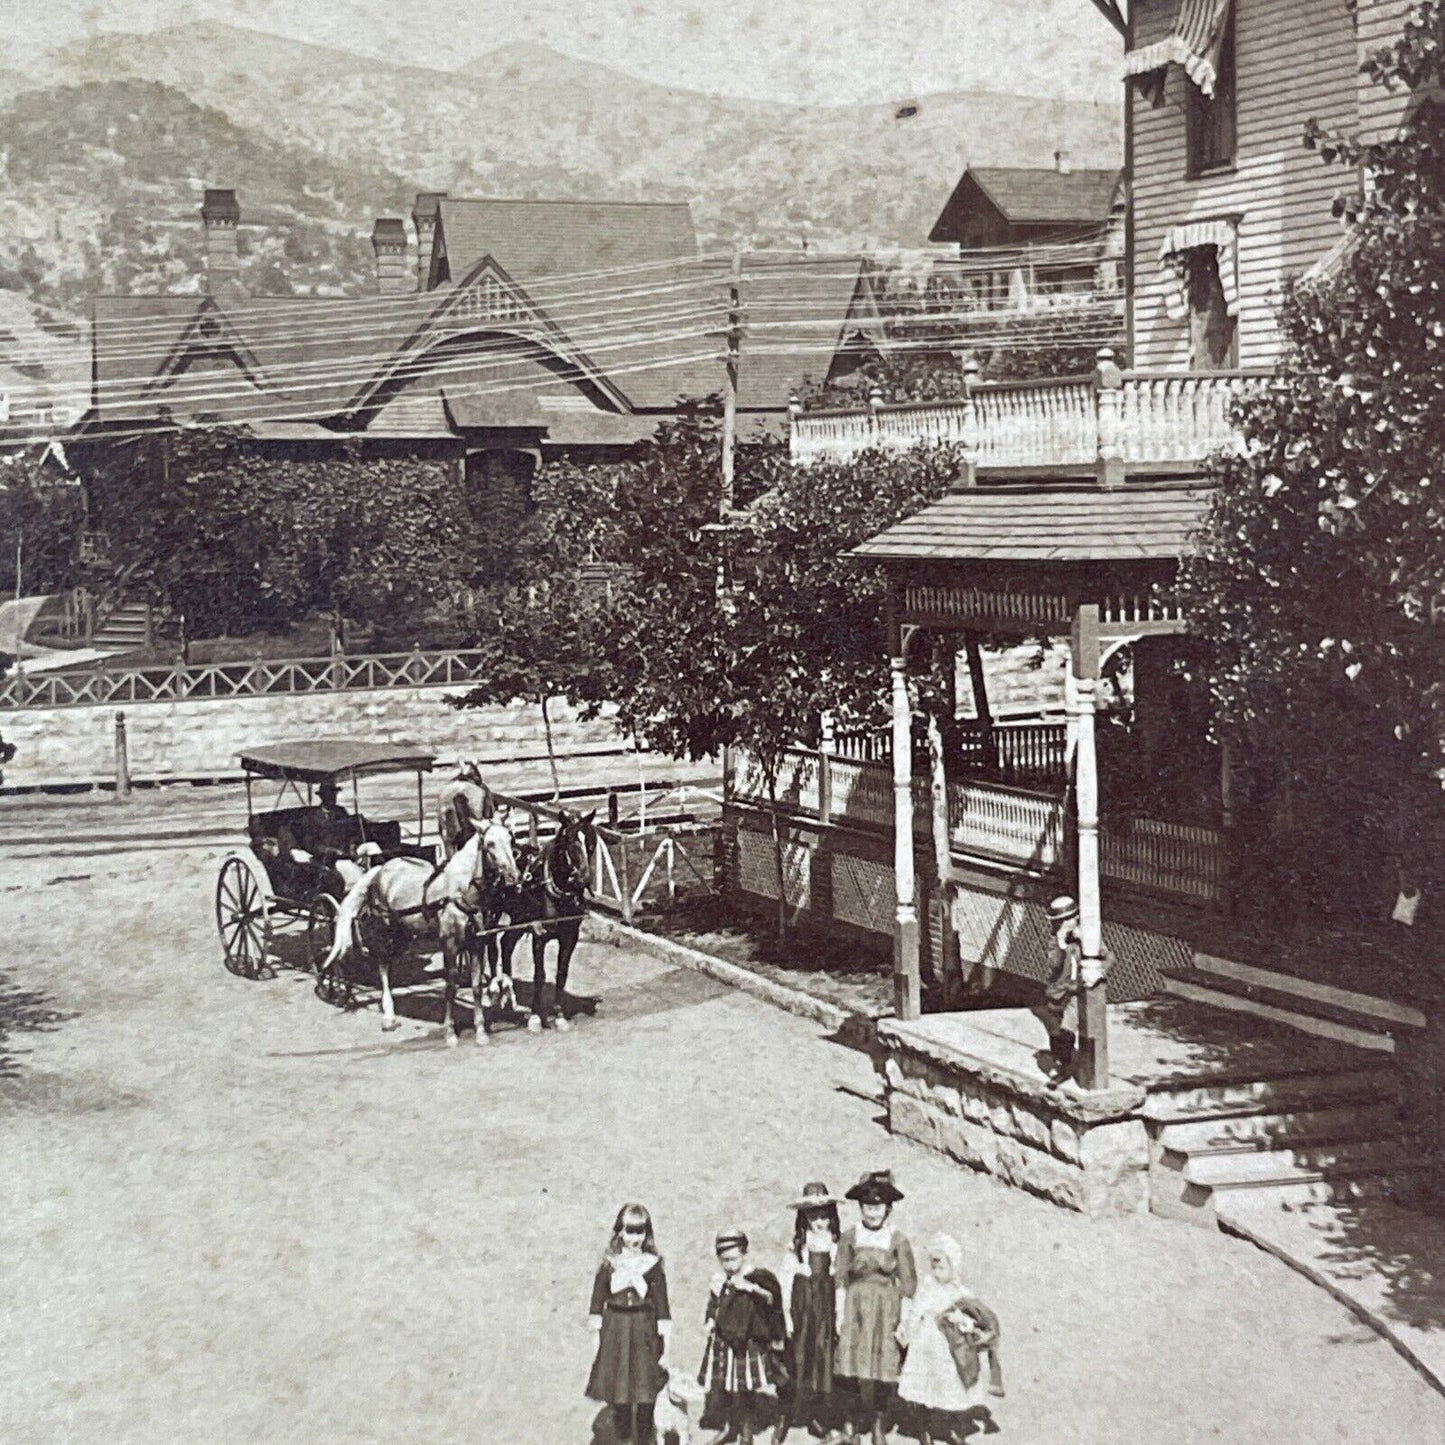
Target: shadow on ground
[22, 1010]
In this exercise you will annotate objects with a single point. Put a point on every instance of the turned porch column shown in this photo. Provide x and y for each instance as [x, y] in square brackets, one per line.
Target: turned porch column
[907, 1001]
[1093, 1063]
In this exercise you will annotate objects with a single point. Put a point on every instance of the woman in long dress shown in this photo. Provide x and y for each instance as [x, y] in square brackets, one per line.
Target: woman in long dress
[932, 1379]
[875, 1273]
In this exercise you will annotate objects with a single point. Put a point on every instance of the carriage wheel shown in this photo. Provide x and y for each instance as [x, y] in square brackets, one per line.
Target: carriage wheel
[320, 930]
[243, 917]
[333, 984]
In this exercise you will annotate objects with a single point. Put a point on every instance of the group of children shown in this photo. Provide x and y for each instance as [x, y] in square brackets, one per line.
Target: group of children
[827, 1342]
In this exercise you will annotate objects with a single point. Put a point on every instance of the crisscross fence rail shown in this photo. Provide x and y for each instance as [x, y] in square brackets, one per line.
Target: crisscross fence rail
[631, 870]
[260, 677]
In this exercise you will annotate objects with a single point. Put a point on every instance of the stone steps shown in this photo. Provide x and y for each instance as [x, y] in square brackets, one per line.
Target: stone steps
[1269, 1130]
[1264, 1096]
[1325, 1131]
[1306, 1164]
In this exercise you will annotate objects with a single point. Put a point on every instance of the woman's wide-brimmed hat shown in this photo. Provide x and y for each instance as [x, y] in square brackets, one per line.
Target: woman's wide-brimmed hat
[815, 1196]
[1062, 909]
[876, 1187]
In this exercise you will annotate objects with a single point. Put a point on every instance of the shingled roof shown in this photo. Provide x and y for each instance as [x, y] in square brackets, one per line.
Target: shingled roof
[535, 239]
[801, 311]
[1047, 524]
[609, 307]
[1029, 196]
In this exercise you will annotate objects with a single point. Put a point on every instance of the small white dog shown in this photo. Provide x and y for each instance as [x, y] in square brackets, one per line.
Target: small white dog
[672, 1414]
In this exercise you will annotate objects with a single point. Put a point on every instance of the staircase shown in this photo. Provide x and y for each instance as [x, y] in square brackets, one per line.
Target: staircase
[1315, 1008]
[126, 627]
[1289, 1139]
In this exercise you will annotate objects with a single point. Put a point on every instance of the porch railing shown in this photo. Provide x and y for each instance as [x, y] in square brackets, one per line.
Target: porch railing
[1136, 418]
[1020, 826]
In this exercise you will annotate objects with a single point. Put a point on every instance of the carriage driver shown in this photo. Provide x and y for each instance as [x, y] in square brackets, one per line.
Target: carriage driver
[321, 831]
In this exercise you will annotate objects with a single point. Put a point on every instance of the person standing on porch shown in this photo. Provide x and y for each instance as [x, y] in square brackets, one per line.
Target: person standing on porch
[1058, 1012]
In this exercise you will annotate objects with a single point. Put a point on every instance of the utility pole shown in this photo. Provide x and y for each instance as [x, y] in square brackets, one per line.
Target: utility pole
[730, 386]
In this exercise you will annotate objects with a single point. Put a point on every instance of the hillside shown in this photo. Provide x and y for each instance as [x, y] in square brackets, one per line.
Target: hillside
[102, 168]
[100, 186]
[526, 120]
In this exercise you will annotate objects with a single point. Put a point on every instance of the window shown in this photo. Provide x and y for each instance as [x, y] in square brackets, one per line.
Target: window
[1213, 332]
[1211, 120]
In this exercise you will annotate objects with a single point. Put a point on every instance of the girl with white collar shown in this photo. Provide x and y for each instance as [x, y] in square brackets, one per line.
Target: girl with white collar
[631, 1316]
[875, 1273]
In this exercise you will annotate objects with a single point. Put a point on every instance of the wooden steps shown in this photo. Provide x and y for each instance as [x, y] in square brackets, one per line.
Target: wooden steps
[1347, 1016]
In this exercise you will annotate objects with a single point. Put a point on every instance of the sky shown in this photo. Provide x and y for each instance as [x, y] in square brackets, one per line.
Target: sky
[816, 51]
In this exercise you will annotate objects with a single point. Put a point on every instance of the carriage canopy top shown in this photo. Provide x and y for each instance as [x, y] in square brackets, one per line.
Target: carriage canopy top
[334, 760]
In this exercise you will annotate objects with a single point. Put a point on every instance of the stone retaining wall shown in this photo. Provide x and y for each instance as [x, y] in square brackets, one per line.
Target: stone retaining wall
[1087, 1152]
[200, 738]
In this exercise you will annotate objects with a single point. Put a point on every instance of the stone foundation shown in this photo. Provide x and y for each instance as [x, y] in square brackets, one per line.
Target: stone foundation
[957, 1091]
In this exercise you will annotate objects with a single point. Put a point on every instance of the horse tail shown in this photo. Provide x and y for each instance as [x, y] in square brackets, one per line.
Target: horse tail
[351, 908]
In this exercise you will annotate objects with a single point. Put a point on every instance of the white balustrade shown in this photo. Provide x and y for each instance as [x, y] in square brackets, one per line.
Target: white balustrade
[1148, 418]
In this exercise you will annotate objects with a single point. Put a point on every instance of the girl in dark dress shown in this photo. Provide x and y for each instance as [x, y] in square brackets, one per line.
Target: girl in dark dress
[809, 1309]
[631, 1316]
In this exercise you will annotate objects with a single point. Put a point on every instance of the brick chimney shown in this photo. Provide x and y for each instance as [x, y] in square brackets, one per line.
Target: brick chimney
[424, 218]
[221, 215]
[388, 241]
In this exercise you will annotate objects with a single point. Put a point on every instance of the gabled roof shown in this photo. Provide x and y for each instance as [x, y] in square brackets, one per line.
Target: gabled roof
[537, 239]
[1029, 196]
[799, 313]
[1047, 524]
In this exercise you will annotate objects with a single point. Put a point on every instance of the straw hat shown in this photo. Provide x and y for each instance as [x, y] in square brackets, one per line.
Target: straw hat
[730, 1238]
[815, 1196]
[1062, 910]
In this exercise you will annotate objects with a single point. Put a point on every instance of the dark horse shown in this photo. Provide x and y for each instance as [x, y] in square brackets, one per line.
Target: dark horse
[548, 904]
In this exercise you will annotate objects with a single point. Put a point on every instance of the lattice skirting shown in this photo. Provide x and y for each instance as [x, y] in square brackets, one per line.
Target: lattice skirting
[1013, 935]
[757, 869]
[863, 893]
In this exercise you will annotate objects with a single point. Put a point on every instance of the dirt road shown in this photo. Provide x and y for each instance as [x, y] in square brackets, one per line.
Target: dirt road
[232, 1214]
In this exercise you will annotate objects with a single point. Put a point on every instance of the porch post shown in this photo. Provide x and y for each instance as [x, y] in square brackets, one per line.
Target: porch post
[982, 711]
[906, 993]
[1093, 1068]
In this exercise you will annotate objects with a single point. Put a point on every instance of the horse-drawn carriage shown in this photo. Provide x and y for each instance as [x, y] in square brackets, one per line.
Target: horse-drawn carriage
[306, 850]
[362, 891]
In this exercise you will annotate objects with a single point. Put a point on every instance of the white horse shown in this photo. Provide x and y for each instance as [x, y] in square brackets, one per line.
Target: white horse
[462, 803]
[407, 896]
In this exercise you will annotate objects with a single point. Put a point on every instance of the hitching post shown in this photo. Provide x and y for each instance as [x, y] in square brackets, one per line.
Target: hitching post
[122, 759]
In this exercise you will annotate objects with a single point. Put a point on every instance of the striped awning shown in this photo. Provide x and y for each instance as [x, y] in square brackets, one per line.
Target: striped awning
[1173, 253]
[1195, 43]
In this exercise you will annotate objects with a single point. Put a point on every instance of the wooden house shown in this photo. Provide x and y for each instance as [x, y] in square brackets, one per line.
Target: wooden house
[1054, 231]
[1077, 497]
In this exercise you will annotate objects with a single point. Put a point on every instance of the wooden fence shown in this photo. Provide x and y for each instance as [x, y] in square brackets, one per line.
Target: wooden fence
[258, 678]
[630, 870]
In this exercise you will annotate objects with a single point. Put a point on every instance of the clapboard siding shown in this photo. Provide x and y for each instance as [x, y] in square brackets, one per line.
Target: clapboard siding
[1297, 60]
[1379, 23]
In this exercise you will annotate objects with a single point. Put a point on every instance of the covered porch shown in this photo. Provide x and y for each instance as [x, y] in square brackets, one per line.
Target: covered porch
[1091, 568]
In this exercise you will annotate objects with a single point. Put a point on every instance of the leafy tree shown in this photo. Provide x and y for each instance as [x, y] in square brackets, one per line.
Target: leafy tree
[1319, 584]
[793, 630]
[40, 517]
[220, 529]
[532, 610]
